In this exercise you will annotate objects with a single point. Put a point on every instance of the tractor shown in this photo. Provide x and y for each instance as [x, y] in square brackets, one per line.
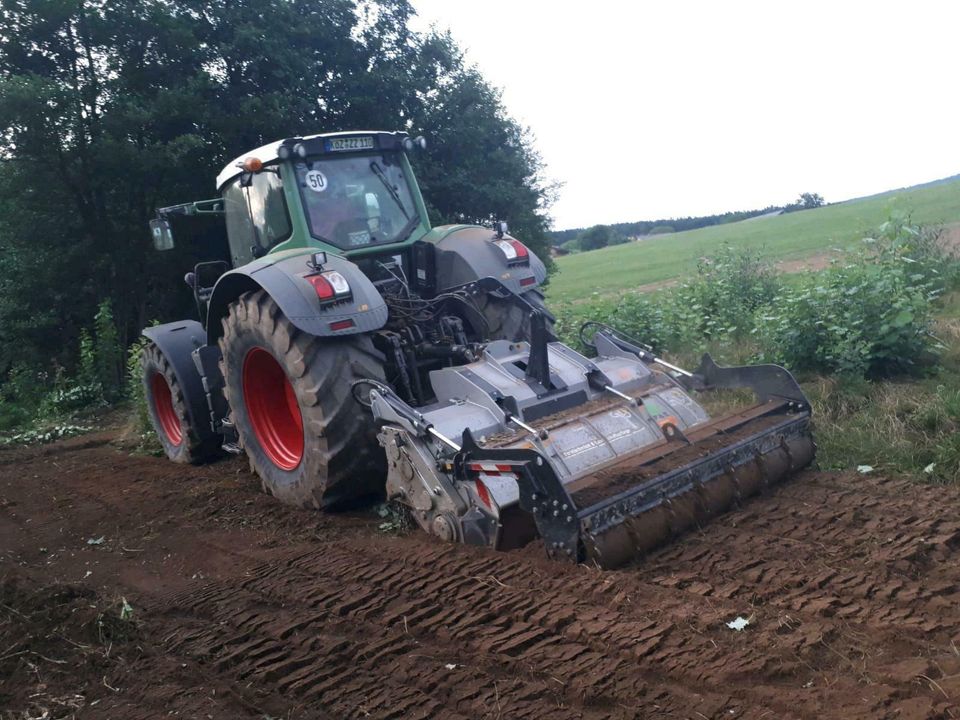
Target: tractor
[352, 351]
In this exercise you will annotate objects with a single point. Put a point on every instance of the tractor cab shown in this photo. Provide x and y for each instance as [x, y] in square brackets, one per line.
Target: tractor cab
[345, 193]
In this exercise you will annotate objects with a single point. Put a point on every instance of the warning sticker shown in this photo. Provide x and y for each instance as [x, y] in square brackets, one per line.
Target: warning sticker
[316, 181]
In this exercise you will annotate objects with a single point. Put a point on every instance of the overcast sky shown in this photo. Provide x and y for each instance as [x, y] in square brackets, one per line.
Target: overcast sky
[658, 109]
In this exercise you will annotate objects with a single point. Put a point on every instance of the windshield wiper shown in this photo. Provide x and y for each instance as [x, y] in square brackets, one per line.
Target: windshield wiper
[382, 177]
[408, 230]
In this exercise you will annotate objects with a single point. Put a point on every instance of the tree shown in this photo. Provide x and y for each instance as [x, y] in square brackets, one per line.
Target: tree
[595, 237]
[110, 110]
[808, 201]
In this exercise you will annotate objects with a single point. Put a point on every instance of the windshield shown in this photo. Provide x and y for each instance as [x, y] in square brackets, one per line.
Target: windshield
[352, 201]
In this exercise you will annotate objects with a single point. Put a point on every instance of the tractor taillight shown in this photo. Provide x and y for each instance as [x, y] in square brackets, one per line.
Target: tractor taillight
[330, 286]
[514, 250]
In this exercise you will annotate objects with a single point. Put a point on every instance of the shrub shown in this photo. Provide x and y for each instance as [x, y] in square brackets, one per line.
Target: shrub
[718, 306]
[134, 385]
[722, 301]
[69, 395]
[107, 352]
[869, 316]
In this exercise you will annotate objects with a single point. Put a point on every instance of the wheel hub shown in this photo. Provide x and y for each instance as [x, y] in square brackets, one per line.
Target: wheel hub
[273, 409]
[163, 407]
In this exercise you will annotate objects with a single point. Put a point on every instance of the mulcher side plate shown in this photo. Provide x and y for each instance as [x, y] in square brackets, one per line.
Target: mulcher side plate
[641, 501]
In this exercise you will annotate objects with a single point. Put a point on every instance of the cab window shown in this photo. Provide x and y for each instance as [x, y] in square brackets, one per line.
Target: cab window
[353, 201]
[257, 216]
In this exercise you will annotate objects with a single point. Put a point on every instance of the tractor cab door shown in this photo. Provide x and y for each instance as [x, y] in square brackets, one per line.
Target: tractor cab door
[256, 214]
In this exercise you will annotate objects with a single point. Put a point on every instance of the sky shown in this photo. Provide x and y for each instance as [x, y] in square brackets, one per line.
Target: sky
[647, 110]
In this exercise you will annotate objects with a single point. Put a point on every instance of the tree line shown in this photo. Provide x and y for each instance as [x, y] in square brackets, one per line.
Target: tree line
[110, 110]
[598, 236]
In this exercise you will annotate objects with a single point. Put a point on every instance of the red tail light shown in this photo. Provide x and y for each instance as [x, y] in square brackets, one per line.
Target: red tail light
[330, 286]
[521, 249]
[514, 251]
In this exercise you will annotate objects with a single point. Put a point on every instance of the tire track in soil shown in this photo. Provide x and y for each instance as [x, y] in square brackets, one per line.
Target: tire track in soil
[369, 628]
[849, 582]
[835, 551]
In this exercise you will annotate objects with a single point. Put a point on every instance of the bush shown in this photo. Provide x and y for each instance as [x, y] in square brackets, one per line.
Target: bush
[69, 395]
[722, 301]
[107, 352]
[30, 396]
[869, 316]
[134, 385]
[714, 309]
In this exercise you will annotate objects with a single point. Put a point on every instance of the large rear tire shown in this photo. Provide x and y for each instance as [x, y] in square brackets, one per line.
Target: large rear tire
[508, 321]
[290, 400]
[167, 408]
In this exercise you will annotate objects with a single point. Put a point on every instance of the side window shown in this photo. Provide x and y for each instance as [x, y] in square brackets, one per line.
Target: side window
[257, 216]
[268, 208]
[239, 228]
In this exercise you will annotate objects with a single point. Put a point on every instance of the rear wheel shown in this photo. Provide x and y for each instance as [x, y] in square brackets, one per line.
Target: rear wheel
[306, 437]
[168, 410]
[508, 321]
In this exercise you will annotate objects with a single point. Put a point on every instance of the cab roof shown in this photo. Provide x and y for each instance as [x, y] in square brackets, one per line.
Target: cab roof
[268, 154]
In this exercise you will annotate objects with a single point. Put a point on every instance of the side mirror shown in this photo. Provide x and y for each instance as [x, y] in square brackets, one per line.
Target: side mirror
[161, 233]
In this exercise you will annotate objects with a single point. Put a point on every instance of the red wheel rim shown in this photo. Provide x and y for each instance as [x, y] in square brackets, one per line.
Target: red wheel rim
[163, 407]
[273, 409]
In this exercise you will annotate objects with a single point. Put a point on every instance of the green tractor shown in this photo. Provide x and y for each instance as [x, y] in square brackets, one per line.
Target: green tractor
[351, 351]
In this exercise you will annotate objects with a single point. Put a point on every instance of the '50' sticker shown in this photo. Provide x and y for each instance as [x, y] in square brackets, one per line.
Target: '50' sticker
[316, 181]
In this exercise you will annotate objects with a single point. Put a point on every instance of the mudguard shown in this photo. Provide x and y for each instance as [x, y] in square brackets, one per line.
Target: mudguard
[465, 253]
[282, 276]
[178, 341]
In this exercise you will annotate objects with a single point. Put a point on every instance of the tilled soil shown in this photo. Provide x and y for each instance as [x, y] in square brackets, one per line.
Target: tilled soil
[237, 607]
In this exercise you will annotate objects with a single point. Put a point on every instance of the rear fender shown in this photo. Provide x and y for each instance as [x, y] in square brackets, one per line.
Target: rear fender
[178, 341]
[464, 253]
[282, 276]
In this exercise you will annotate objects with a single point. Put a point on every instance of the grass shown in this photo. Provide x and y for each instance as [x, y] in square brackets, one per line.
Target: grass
[603, 274]
[909, 427]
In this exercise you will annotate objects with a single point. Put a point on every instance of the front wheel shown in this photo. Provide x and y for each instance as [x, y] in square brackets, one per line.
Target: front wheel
[167, 408]
[289, 393]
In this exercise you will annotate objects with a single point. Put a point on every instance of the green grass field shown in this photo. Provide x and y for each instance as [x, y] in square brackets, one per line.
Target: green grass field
[602, 274]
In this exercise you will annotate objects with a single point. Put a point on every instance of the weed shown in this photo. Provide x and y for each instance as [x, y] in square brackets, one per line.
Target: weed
[395, 518]
[134, 386]
[45, 434]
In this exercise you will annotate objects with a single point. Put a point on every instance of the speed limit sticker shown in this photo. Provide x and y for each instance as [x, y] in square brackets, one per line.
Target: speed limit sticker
[316, 181]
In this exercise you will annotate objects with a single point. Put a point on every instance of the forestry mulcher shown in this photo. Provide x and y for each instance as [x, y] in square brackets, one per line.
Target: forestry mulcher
[353, 351]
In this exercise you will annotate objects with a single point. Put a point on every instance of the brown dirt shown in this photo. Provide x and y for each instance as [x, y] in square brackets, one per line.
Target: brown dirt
[246, 609]
[950, 237]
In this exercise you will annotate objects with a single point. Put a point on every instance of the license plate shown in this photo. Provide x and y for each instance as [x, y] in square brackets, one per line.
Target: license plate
[348, 143]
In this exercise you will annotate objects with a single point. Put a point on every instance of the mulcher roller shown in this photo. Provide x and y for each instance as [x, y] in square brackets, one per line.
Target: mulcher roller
[602, 458]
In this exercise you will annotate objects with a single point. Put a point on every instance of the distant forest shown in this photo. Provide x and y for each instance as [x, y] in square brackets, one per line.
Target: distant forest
[620, 232]
[645, 227]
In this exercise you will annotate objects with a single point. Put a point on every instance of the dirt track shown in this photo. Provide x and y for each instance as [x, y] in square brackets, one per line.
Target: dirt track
[245, 609]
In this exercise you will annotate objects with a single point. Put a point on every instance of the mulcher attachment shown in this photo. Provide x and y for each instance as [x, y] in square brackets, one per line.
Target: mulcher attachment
[603, 459]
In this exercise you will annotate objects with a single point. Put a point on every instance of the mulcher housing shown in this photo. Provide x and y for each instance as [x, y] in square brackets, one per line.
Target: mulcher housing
[349, 348]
